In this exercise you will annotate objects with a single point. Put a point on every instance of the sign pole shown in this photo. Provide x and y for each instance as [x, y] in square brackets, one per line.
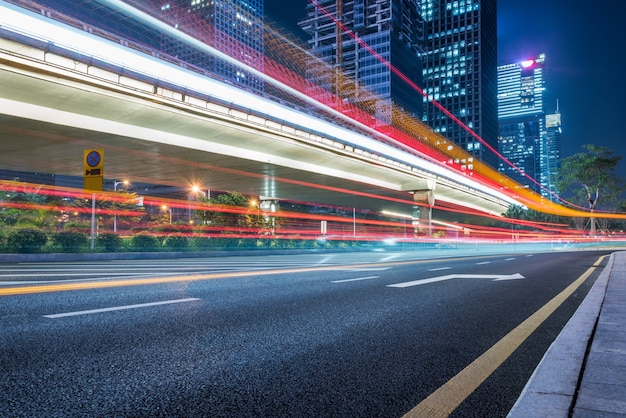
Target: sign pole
[93, 169]
[93, 220]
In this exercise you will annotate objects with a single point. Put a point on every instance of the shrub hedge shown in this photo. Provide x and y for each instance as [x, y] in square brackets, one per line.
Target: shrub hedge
[70, 241]
[27, 240]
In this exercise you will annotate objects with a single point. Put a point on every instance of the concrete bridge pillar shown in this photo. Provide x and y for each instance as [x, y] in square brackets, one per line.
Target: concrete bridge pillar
[269, 206]
[423, 212]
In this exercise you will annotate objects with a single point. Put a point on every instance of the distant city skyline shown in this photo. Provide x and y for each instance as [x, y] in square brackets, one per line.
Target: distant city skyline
[582, 46]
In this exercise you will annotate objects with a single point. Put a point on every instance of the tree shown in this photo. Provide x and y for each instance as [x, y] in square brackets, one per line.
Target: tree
[34, 207]
[583, 175]
[112, 206]
[517, 212]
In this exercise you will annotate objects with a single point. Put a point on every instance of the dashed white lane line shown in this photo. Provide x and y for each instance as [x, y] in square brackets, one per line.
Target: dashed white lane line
[484, 262]
[119, 308]
[356, 279]
[509, 259]
[440, 268]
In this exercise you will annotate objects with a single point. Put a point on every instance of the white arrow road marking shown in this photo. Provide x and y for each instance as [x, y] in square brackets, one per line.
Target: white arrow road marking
[494, 277]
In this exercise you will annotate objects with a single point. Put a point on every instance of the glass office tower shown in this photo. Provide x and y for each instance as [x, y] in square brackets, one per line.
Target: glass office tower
[523, 137]
[232, 26]
[460, 72]
[393, 29]
[551, 155]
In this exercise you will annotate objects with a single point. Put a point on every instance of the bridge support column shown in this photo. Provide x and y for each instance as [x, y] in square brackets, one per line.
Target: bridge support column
[423, 213]
[269, 206]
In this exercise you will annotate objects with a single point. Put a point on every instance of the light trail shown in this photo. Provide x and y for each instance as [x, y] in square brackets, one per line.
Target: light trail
[533, 202]
[415, 87]
[84, 43]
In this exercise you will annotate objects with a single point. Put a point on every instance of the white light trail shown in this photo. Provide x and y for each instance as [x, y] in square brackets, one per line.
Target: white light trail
[22, 21]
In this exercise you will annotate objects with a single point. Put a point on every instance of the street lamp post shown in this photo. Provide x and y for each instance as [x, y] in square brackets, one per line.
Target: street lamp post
[170, 211]
[593, 202]
[115, 184]
[196, 189]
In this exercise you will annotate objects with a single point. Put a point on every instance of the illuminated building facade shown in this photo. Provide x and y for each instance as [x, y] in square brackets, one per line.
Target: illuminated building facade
[234, 27]
[460, 72]
[527, 137]
[391, 28]
[551, 154]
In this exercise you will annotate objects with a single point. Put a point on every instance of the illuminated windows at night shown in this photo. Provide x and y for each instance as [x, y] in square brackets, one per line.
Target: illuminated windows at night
[525, 139]
[460, 70]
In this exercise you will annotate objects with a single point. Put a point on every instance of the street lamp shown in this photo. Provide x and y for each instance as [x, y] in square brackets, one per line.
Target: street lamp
[196, 189]
[164, 207]
[115, 184]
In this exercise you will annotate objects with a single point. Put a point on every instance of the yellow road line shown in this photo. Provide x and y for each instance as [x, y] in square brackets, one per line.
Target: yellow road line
[448, 397]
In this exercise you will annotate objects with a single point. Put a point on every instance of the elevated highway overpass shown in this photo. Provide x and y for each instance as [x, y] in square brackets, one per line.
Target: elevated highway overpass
[163, 124]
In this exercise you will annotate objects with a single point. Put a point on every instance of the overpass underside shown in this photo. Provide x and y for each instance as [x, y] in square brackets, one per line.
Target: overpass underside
[53, 107]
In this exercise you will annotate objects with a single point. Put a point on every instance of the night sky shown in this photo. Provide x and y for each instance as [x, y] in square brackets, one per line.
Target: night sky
[585, 63]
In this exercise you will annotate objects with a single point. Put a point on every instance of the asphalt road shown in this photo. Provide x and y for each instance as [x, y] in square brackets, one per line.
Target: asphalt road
[279, 336]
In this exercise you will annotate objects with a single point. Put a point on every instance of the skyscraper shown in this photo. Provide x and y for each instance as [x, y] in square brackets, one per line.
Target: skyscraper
[551, 154]
[392, 29]
[234, 27]
[460, 70]
[524, 137]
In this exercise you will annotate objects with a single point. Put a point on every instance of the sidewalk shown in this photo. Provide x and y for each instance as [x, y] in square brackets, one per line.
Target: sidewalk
[556, 389]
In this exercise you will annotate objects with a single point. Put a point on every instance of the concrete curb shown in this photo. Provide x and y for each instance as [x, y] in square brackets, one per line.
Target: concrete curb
[551, 389]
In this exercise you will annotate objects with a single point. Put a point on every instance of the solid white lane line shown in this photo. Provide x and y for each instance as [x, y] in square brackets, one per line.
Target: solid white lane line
[95, 279]
[440, 268]
[119, 308]
[93, 273]
[355, 279]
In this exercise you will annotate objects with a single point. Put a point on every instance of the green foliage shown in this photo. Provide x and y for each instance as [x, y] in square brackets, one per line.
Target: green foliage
[517, 212]
[590, 171]
[176, 242]
[231, 199]
[39, 210]
[114, 205]
[109, 242]
[3, 240]
[204, 243]
[144, 242]
[10, 216]
[27, 240]
[70, 240]
[227, 219]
